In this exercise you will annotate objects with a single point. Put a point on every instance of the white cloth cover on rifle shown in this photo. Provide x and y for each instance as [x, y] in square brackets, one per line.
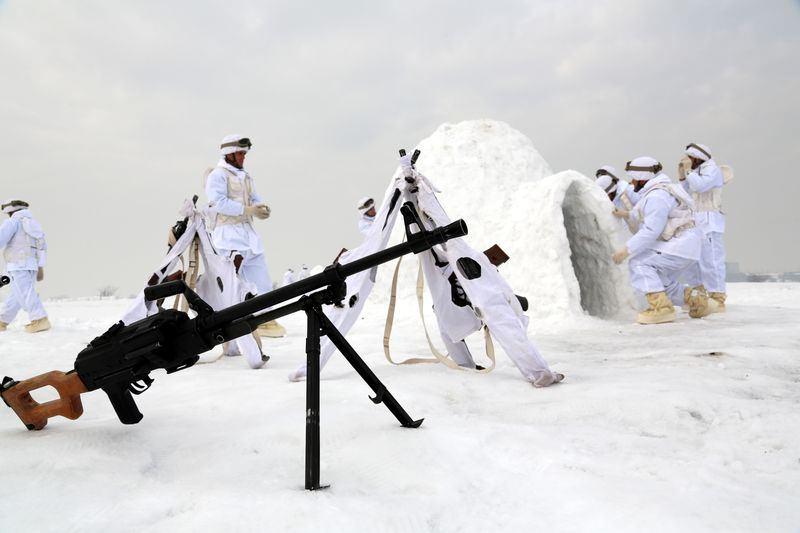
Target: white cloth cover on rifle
[232, 291]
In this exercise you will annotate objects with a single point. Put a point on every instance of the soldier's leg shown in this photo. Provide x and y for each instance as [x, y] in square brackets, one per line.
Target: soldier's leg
[644, 273]
[254, 269]
[716, 263]
[28, 297]
[12, 305]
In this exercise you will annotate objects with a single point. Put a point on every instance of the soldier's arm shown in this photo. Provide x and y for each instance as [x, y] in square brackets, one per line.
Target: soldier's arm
[704, 181]
[7, 231]
[656, 212]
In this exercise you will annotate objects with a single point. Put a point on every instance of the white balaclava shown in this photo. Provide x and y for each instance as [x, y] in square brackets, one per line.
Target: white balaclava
[698, 151]
[643, 168]
[607, 178]
[365, 203]
[234, 143]
[12, 206]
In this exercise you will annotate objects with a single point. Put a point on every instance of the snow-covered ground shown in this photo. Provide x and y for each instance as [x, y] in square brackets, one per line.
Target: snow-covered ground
[691, 426]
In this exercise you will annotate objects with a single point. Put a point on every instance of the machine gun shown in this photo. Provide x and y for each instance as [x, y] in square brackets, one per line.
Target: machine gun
[4, 280]
[120, 361]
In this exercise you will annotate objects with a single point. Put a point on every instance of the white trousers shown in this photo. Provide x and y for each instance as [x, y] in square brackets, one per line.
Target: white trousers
[23, 296]
[253, 269]
[712, 262]
[651, 271]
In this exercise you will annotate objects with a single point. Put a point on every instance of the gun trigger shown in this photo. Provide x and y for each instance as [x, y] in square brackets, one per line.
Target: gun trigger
[138, 387]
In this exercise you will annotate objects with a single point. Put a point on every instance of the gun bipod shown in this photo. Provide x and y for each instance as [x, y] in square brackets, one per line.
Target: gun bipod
[319, 325]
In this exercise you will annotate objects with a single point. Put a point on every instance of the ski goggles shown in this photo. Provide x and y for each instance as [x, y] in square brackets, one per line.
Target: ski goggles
[244, 142]
[366, 205]
[655, 169]
[693, 145]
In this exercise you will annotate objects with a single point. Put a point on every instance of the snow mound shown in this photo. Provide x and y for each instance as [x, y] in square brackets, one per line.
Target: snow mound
[557, 228]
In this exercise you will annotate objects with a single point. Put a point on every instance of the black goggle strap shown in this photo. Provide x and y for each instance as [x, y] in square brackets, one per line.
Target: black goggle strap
[15, 203]
[241, 143]
[604, 172]
[693, 145]
[655, 169]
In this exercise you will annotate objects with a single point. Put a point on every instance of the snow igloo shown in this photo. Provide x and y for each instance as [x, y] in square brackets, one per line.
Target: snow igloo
[557, 228]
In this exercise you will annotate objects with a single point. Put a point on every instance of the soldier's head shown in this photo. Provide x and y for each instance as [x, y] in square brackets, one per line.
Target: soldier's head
[12, 206]
[698, 154]
[367, 206]
[606, 179]
[234, 148]
[641, 170]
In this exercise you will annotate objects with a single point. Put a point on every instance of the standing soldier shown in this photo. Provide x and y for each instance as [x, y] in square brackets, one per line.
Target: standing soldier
[25, 255]
[233, 203]
[703, 179]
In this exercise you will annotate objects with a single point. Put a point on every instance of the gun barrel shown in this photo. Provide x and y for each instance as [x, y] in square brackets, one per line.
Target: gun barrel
[336, 273]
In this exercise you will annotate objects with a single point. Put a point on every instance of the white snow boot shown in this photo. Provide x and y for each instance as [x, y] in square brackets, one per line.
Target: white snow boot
[36, 326]
[545, 380]
[660, 310]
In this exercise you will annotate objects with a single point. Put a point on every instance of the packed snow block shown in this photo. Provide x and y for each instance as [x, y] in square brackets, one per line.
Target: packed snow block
[572, 234]
[557, 228]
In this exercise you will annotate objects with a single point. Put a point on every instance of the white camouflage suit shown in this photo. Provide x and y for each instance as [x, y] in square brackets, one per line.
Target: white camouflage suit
[656, 263]
[705, 185]
[25, 251]
[228, 190]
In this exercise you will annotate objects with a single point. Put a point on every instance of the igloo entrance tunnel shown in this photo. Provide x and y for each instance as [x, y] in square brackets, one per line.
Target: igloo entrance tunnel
[557, 228]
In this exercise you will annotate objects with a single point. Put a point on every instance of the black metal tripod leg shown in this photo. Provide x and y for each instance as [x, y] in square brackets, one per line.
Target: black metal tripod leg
[382, 394]
[312, 400]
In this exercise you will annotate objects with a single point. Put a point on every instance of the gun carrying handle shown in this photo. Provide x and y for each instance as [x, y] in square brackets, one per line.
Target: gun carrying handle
[34, 414]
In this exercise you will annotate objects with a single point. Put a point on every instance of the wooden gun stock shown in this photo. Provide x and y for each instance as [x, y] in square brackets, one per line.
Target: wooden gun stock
[34, 414]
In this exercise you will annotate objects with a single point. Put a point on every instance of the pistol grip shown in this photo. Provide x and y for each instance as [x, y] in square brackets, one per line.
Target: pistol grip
[34, 414]
[123, 403]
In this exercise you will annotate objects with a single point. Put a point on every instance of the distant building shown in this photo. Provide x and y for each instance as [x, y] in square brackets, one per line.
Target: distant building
[733, 273]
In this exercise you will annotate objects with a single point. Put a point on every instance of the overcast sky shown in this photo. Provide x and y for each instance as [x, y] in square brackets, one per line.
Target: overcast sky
[110, 111]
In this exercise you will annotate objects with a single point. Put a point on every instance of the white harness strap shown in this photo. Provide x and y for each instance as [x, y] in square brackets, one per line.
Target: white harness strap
[439, 356]
[626, 202]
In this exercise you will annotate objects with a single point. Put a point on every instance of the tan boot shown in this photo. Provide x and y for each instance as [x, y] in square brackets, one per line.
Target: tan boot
[271, 329]
[698, 302]
[687, 294]
[42, 324]
[660, 310]
[716, 302]
[3, 326]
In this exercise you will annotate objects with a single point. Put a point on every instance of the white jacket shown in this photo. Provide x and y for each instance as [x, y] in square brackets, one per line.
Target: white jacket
[23, 241]
[658, 206]
[365, 223]
[228, 237]
[705, 185]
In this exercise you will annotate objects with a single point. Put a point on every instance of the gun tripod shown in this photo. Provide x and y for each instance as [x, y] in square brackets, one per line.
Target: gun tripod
[319, 325]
